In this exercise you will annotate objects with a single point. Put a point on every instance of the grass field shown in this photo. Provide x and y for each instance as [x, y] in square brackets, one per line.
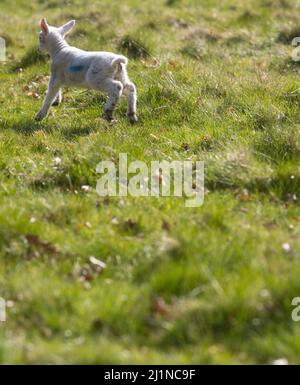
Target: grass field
[212, 284]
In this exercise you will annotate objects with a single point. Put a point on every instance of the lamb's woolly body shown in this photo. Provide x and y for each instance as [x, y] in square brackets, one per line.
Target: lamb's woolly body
[70, 66]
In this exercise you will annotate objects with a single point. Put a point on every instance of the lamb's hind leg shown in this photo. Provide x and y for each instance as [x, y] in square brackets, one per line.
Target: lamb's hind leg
[114, 88]
[58, 98]
[130, 91]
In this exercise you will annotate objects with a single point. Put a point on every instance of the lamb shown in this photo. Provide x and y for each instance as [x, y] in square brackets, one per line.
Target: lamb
[70, 66]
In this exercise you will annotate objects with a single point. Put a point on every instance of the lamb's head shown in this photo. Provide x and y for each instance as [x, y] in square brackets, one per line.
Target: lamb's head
[49, 34]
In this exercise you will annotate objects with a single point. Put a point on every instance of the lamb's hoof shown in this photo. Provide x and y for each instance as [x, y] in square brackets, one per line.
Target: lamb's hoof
[132, 118]
[58, 101]
[109, 117]
[39, 116]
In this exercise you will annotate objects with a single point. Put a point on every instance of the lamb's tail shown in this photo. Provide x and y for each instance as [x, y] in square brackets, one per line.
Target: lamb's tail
[118, 61]
[119, 66]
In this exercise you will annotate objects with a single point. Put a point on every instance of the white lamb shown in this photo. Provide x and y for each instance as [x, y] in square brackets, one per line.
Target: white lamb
[71, 66]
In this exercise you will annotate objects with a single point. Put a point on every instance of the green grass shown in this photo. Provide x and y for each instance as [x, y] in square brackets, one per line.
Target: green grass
[207, 285]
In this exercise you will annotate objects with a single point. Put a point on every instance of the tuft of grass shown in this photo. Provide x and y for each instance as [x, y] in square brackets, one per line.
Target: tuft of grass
[134, 48]
[30, 58]
[287, 35]
[195, 50]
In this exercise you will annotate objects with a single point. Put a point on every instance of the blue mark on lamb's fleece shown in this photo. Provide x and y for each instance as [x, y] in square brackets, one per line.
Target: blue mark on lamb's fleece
[78, 64]
[76, 68]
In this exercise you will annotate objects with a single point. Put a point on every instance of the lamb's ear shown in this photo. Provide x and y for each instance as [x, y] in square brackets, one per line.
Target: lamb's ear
[44, 26]
[65, 29]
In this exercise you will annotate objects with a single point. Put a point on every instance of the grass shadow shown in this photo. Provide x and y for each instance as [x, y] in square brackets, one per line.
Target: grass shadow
[28, 126]
[30, 58]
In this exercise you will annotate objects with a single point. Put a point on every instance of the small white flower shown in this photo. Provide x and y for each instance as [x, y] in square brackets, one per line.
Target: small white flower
[96, 262]
[85, 188]
[280, 361]
[286, 247]
[57, 161]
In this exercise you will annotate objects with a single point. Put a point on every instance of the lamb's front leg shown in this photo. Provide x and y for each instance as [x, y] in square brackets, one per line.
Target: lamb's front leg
[53, 90]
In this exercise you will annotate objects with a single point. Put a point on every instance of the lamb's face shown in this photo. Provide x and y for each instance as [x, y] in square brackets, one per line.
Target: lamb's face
[43, 46]
[45, 38]
[48, 34]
